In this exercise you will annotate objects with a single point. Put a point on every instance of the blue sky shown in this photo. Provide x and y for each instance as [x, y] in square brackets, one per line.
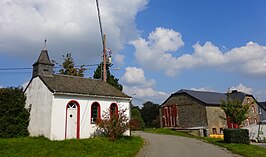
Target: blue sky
[160, 46]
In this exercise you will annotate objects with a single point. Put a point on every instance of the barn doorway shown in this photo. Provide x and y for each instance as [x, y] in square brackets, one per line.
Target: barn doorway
[72, 120]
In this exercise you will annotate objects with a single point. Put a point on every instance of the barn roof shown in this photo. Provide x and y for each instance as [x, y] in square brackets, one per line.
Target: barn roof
[211, 98]
[78, 85]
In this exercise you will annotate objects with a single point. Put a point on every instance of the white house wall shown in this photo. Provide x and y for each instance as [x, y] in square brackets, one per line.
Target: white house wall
[39, 98]
[86, 129]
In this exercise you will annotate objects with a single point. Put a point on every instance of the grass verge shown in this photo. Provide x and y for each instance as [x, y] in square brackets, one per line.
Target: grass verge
[241, 149]
[94, 147]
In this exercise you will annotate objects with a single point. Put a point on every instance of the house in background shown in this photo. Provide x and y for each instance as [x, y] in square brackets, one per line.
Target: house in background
[64, 107]
[200, 111]
[262, 112]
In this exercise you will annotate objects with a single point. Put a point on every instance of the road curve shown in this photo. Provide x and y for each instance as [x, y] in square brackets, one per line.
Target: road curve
[176, 146]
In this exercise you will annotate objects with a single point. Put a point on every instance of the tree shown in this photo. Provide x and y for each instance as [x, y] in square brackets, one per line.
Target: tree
[136, 122]
[113, 125]
[14, 117]
[69, 67]
[150, 114]
[110, 78]
[235, 112]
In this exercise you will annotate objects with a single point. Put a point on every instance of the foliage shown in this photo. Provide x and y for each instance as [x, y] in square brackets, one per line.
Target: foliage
[113, 125]
[136, 122]
[14, 117]
[236, 112]
[110, 78]
[150, 114]
[236, 136]
[69, 67]
[42, 147]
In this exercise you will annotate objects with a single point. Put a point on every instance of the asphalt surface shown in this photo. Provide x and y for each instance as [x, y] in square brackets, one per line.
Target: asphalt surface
[176, 146]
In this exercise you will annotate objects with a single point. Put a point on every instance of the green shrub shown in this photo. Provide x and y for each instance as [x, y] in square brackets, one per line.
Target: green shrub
[114, 125]
[14, 118]
[236, 136]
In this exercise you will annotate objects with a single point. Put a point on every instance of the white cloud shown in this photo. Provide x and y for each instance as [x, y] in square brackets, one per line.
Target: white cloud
[120, 59]
[145, 94]
[137, 85]
[260, 95]
[207, 89]
[135, 76]
[69, 26]
[154, 53]
[242, 88]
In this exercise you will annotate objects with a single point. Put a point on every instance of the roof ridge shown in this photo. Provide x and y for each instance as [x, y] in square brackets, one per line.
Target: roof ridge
[64, 75]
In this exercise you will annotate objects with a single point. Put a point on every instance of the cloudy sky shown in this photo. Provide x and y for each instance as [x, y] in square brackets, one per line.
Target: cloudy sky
[159, 46]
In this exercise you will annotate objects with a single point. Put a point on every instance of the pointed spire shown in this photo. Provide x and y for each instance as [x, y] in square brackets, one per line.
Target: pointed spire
[43, 66]
[44, 58]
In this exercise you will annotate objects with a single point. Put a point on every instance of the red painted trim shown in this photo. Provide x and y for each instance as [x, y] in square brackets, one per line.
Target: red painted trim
[78, 119]
[99, 109]
[116, 109]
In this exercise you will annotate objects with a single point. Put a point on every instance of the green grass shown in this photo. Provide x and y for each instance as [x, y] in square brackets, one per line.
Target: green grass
[241, 149]
[94, 147]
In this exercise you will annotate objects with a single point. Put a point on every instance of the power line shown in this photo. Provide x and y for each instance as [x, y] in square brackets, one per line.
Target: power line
[26, 68]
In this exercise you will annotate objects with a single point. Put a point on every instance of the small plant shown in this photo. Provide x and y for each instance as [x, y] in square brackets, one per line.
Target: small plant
[113, 125]
[235, 112]
[135, 125]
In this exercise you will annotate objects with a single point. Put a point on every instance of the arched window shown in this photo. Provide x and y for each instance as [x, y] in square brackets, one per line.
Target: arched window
[247, 121]
[253, 109]
[95, 112]
[113, 109]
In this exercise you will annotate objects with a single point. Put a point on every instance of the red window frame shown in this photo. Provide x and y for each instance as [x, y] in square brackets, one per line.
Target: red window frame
[97, 105]
[115, 110]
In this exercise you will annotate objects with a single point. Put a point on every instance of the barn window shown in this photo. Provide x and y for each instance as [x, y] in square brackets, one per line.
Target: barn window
[113, 109]
[260, 111]
[247, 121]
[214, 130]
[95, 112]
[253, 109]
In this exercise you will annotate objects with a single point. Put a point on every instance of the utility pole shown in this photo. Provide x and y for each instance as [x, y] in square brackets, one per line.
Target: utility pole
[104, 58]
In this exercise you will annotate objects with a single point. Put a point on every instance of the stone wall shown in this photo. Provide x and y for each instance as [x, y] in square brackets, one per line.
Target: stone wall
[253, 113]
[216, 123]
[191, 112]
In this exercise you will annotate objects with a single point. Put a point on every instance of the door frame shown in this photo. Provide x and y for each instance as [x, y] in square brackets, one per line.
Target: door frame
[78, 119]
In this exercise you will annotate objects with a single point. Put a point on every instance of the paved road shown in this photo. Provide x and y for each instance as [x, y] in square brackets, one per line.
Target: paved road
[175, 146]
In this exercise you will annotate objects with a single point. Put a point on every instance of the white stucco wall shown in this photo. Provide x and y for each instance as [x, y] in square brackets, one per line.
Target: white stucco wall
[86, 129]
[39, 98]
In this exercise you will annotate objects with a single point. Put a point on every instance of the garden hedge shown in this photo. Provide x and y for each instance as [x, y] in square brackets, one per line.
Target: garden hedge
[236, 136]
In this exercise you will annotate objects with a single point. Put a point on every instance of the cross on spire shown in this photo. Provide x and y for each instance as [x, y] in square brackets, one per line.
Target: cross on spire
[45, 41]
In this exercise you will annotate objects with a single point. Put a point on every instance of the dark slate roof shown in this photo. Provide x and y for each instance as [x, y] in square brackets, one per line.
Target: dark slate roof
[79, 85]
[211, 98]
[263, 105]
[44, 58]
